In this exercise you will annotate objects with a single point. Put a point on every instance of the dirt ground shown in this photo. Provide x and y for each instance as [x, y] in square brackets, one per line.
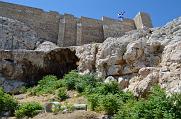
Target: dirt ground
[74, 98]
[73, 115]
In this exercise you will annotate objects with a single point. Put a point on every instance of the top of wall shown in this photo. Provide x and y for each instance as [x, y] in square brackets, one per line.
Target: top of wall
[23, 7]
[39, 11]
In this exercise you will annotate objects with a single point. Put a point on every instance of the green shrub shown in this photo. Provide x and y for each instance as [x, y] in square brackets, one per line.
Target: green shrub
[126, 96]
[28, 109]
[71, 79]
[80, 87]
[111, 87]
[47, 85]
[110, 103]
[90, 79]
[156, 106]
[7, 102]
[93, 101]
[62, 93]
[175, 102]
[75, 81]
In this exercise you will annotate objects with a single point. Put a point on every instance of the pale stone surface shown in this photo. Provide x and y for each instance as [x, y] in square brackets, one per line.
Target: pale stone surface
[110, 79]
[144, 57]
[87, 57]
[141, 88]
[143, 20]
[46, 46]
[16, 35]
[146, 70]
[123, 83]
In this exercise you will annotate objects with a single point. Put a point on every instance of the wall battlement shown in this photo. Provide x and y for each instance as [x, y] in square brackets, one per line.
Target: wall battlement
[67, 30]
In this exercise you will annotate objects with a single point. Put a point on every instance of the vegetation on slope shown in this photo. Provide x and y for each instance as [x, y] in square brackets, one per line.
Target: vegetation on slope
[107, 98]
[102, 97]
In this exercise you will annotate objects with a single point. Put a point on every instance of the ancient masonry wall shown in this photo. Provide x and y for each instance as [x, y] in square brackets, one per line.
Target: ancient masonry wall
[116, 28]
[46, 24]
[89, 31]
[68, 30]
[142, 20]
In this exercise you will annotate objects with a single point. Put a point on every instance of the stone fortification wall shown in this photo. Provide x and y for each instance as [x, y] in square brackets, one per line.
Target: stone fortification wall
[116, 28]
[67, 31]
[46, 24]
[89, 31]
[143, 20]
[35, 26]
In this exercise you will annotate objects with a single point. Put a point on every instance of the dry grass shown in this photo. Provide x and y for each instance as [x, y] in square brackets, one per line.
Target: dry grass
[73, 115]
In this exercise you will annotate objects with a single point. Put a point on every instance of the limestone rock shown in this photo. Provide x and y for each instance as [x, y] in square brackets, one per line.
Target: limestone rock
[87, 57]
[146, 70]
[153, 55]
[110, 79]
[110, 54]
[123, 83]
[11, 86]
[16, 35]
[46, 46]
[141, 88]
[134, 52]
[170, 73]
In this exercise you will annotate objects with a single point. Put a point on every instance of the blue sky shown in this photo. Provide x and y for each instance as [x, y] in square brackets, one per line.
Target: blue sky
[161, 11]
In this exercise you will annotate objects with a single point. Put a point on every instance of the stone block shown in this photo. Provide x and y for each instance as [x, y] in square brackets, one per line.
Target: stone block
[143, 20]
[89, 31]
[67, 31]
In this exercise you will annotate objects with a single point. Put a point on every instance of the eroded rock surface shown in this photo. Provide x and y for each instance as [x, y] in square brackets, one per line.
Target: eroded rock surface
[16, 35]
[143, 57]
[29, 66]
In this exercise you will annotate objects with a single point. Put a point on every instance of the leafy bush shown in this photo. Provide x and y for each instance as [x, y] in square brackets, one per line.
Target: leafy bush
[62, 93]
[105, 88]
[110, 104]
[71, 79]
[28, 109]
[156, 106]
[93, 101]
[175, 102]
[126, 96]
[108, 98]
[7, 102]
[48, 84]
[74, 81]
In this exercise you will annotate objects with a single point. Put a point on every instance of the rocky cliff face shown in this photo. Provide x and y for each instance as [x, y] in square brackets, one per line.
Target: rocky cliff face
[142, 58]
[20, 67]
[137, 60]
[16, 35]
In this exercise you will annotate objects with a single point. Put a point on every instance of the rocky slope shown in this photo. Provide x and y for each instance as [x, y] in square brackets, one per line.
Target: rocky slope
[138, 60]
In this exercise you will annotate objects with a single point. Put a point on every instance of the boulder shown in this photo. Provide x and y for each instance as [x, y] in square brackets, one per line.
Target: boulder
[110, 79]
[123, 83]
[87, 58]
[46, 46]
